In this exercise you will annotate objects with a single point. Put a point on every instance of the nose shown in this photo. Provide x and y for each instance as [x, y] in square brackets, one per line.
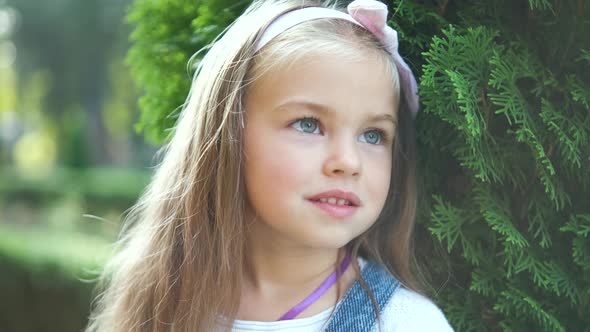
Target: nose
[342, 158]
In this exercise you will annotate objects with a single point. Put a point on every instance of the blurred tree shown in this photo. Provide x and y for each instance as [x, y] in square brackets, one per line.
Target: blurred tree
[8, 77]
[35, 152]
[75, 41]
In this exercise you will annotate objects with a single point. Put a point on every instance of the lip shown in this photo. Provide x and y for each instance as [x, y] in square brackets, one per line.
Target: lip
[334, 210]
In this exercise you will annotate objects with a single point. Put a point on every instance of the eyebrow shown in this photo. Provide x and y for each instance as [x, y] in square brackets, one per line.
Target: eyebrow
[320, 108]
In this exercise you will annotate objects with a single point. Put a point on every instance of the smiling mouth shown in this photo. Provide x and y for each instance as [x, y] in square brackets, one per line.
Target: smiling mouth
[337, 197]
[335, 210]
[333, 201]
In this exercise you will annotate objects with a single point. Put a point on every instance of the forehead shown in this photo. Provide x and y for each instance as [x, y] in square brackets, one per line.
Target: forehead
[350, 85]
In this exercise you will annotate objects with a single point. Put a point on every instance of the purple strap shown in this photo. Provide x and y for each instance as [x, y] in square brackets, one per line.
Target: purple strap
[331, 280]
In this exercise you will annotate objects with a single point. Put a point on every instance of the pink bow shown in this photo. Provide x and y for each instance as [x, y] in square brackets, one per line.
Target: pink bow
[372, 15]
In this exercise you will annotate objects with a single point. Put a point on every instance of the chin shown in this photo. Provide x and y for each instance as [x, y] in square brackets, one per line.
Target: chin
[328, 241]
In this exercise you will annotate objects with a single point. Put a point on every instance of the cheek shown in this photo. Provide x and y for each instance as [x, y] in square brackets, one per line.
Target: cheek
[273, 168]
[379, 176]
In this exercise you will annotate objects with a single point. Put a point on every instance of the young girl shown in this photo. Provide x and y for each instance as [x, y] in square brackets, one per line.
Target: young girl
[286, 198]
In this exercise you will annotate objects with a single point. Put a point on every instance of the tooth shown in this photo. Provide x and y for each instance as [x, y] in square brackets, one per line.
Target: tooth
[341, 202]
[332, 200]
[323, 200]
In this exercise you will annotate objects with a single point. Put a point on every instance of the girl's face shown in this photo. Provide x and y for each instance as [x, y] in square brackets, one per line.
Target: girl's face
[319, 134]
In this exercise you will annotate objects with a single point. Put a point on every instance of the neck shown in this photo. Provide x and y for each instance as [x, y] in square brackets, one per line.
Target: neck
[275, 263]
[280, 273]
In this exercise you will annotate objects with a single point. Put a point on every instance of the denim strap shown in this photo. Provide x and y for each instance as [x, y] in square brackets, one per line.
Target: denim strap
[356, 312]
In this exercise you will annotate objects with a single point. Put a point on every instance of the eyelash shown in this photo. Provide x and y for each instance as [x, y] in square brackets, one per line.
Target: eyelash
[384, 136]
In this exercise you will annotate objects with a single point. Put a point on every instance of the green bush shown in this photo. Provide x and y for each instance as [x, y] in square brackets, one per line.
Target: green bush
[116, 186]
[166, 34]
[503, 133]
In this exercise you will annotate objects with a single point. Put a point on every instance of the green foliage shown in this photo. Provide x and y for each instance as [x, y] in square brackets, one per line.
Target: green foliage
[117, 185]
[516, 103]
[504, 136]
[167, 33]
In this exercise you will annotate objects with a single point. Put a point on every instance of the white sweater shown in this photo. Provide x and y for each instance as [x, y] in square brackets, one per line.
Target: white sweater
[406, 311]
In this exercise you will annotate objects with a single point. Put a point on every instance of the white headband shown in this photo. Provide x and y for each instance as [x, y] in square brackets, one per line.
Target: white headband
[371, 15]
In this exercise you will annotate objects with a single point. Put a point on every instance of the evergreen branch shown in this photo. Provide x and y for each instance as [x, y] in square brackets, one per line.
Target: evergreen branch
[585, 56]
[578, 91]
[515, 302]
[447, 221]
[558, 124]
[452, 77]
[465, 312]
[406, 18]
[558, 281]
[497, 214]
[447, 225]
[539, 225]
[503, 78]
[482, 157]
[467, 102]
[482, 281]
[540, 4]
[581, 254]
[472, 251]
[578, 224]
[507, 69]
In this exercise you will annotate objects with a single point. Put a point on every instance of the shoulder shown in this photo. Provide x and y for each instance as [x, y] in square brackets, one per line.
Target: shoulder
[406, 310]
[410, 311]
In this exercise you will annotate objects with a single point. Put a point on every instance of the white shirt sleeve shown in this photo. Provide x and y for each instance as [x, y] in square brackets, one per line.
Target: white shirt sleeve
[408, 311]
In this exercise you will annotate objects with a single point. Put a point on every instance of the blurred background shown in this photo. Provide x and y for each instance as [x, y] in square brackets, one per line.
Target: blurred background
[71, 161]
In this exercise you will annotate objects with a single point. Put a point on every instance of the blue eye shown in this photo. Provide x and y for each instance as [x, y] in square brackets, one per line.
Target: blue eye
[372, 136]
[307, 125]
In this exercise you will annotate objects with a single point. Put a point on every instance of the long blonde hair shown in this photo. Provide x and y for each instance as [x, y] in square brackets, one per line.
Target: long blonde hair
[180, 257]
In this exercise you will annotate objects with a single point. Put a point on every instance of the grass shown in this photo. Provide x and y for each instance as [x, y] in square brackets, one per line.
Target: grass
[75, 255]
